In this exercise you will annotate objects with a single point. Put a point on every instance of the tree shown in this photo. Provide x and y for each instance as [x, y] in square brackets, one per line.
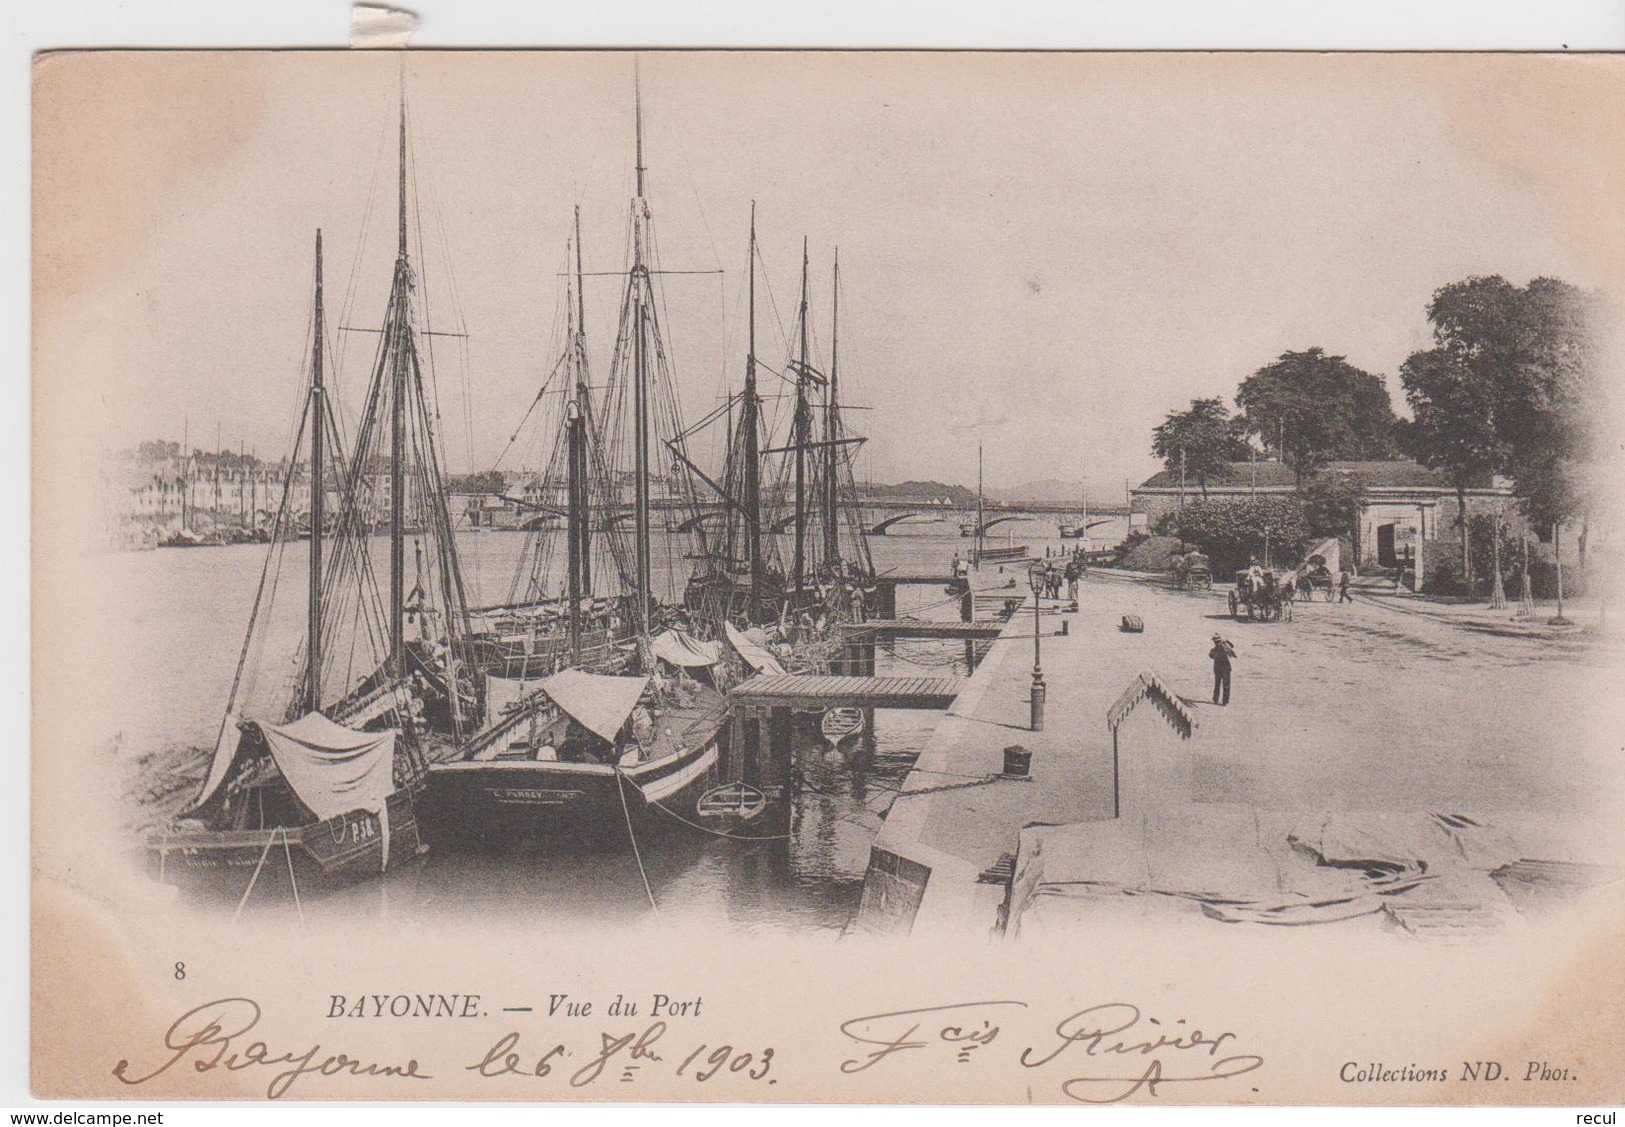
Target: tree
[1518, 389]
[1200, 441]
[1455, 408]
[1231, 530]
[1554, 403]
[1331, 505]
[1312, 408]
[485, 481]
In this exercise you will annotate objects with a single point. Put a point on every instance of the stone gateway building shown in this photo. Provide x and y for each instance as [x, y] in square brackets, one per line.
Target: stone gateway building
[1405, 502]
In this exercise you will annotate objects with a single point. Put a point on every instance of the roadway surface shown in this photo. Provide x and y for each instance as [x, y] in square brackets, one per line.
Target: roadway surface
[1346, 708]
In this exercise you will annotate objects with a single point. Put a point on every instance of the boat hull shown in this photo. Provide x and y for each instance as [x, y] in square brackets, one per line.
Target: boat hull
[497, 801]
[334, 852]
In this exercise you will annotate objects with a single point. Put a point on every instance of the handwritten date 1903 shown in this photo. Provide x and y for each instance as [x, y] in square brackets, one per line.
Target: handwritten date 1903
[622, 1056]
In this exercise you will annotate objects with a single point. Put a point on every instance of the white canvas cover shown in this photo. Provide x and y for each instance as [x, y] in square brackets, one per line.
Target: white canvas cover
[502, 692]
[334, 769]
[754, 655]
[1330, 550]
[598, 703]
[225, 750]
[684, 650]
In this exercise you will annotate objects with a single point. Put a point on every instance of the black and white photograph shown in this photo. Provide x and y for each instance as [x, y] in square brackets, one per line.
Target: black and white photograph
[545, 560]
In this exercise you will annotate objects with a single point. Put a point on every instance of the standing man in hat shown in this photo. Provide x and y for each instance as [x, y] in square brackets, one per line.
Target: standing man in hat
[1221, 653]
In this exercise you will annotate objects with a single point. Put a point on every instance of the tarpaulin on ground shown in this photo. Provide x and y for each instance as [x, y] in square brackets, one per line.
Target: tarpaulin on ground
[755, 656]
[1405, 838]
[1236, 864]
[598, 703]
[334, 769]
[685, 650]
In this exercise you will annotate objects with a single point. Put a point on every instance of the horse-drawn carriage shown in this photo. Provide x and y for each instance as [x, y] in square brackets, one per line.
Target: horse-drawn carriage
[1313, 579]
[1262, 595]
[1193, 572]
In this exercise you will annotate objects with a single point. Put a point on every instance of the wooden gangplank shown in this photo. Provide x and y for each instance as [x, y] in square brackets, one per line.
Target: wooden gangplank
[797, 690]
[917, 628]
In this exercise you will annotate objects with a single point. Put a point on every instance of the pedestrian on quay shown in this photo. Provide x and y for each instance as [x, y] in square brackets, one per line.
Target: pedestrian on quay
[1343, 595]
[1072, 580]
[1221, 653]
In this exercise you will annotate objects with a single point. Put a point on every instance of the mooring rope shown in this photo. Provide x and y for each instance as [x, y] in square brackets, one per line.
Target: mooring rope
[264, 853]
[287, 851]
[620, 788]
[718, 833]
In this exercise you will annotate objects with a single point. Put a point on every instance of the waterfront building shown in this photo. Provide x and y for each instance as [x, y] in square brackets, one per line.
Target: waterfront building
[1405, 502]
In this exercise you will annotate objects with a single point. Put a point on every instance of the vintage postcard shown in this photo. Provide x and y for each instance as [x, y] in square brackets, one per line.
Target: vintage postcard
[828, 577]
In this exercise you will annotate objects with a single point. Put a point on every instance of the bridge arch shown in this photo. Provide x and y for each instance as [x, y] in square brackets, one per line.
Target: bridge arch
[693, 522]
[1000, 520]
[881, 528]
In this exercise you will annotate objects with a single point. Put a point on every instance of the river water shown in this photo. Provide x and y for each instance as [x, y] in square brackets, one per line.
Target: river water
[181, 616]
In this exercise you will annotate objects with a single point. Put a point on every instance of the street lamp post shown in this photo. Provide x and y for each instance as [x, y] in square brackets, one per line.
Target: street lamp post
[1035, 579]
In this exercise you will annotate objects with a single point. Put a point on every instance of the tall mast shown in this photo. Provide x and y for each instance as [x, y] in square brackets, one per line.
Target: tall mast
[637, 98]
[582, 405]
[832, 537]
[801, 435]
[572, 534]
[401, 330]
[753, 453]
[979, 517]
[640, 377]
[318, 502]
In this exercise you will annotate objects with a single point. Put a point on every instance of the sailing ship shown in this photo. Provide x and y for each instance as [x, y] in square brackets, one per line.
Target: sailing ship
[601, 700]
[823, 576]
[333, 794]
[329, 766]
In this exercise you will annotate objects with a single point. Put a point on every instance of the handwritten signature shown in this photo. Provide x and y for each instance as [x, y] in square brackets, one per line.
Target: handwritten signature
[1128, 1051]
[210, 1036]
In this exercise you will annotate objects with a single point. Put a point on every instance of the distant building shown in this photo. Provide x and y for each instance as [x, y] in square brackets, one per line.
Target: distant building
[1405, 501]
[154, 491]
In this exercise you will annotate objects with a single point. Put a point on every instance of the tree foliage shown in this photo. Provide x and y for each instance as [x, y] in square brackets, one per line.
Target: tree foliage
[1331, 502]
[485, 481]
[1200, 441]
[1226, 529]
[1312, 408]
[1512, 385]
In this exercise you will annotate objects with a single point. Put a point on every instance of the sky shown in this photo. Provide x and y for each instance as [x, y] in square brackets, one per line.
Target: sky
[1041, 253]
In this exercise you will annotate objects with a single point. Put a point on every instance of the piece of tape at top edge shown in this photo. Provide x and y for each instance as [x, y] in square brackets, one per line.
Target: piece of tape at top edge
[380, 26]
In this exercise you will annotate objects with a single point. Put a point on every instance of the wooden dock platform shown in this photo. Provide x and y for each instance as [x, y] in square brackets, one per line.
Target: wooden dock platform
[919, 628]
[793, 690]
[760, 747]
[918, 579]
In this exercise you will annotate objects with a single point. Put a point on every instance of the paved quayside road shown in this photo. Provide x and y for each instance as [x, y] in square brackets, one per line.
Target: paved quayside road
[1345, 708]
